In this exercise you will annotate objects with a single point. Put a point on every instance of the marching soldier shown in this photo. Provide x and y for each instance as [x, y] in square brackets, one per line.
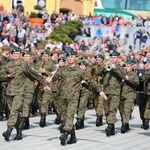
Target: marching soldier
[112, 74]
[127, 95]
[71, 77]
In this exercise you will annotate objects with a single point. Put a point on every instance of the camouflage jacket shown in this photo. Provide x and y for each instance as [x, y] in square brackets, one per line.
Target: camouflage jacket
[71, 81]
[146, 79]
[111, 79]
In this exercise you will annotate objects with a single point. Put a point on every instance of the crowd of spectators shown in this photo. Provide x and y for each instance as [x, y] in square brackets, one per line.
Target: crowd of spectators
[15, 30]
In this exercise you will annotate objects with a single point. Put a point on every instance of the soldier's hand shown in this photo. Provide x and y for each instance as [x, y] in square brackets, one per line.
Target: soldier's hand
[12, 75]
[47, 88]
[83, 81]
[42, 70]
[126, 77]
[48, 80]
[102, 94]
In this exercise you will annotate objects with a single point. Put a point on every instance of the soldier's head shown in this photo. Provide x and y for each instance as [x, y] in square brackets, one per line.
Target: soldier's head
[62, 61]
[147, 64]
[16, 53]
[54, 54]
[45, 55]
[82, 65]
[6, 51]
[40, 49]
[85, 58]
[99, 59]
[128, 66]
[26, 56]
[114, 57]
[71, 57]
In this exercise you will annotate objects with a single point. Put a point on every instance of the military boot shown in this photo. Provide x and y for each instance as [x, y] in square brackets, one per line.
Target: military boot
[128, 127]
[73, 138]
[145, 124]
[1, 116]
[63, 137]
[99, 121]
[79, 124]
[7, 133]
[26, 125]
[61, 127]
[58, 119]
[19, 134]
[124, 128]
[110, 130]
[42, 121]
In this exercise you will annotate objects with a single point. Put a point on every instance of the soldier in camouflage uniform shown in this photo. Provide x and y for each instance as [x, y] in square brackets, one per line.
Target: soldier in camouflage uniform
[71, 77]
[98, 101]
[112, 74]
[146, 79]
[127, 95]
[83, 100]
[5, 57]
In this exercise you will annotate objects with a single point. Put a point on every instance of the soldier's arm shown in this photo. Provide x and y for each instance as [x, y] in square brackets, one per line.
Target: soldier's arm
[100, 70]
[146, 77]
[119, 71]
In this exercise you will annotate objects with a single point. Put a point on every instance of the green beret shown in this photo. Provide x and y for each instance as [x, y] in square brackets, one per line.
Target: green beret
[133, 61]
[147, 61]
[72, 52]
[82, 63]
[45, 52]
[63, 59]
[84, 57]
[15, 49]
[26, 52]
[114, 53]
[128, 62]
[99, 56]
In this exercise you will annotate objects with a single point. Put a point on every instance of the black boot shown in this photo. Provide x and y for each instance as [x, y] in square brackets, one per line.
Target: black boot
[63, 138]
[124, 128]
[73, 138]
[1, 116]
[99, 121]
[61, 127]
[26, 125]
[79, 124]
[6, 134]
[42, 121]
[110, 130]
[58, 120]
[19, 134]
[146, 124]
[128, 127]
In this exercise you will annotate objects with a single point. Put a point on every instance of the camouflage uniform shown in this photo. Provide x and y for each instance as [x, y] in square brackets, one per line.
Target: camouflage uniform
[127, 97]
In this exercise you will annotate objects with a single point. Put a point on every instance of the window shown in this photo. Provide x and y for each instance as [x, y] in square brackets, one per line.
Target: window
[116, 4]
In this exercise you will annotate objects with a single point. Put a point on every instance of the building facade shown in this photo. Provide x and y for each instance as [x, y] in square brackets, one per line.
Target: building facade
[80, 7]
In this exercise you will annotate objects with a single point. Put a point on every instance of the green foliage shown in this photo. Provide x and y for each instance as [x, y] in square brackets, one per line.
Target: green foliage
[37, 7]
[33, 15]
[43, 43]
[65, 32]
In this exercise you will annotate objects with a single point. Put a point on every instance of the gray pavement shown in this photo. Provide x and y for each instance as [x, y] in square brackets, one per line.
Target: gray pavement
[91, 137]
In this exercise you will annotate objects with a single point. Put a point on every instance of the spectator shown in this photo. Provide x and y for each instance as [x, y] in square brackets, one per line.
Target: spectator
[1, 8]
[87, 31]
[99, 34]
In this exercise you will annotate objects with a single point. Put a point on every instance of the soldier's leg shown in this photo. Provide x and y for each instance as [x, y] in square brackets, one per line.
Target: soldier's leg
[111, 116]
[121, 108]
[1, 104]
[81, 111]
[147, 114]
[71, 110]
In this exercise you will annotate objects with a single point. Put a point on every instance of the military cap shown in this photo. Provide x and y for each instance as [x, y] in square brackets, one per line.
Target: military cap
[15, 49]
[26, 52]
[60, 52]
[133, 61]
[128, 62]
[71, 52]
[5, 47]
[114, 53]
[40, 47]
[82, 63]
[63, 59]
[147, 61]
[84, 57]
[45, 52]
[99, 56]
[53, 52]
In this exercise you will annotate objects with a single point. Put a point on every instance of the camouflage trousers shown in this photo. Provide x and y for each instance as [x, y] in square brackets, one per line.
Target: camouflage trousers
[27, 104]
[142, 101]
[15, 105]
[110, 108]
[125, 109]
[57, 104]
[98, 104]
[147, 109]
[82, 105]
[44, 103]
[69, 109]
